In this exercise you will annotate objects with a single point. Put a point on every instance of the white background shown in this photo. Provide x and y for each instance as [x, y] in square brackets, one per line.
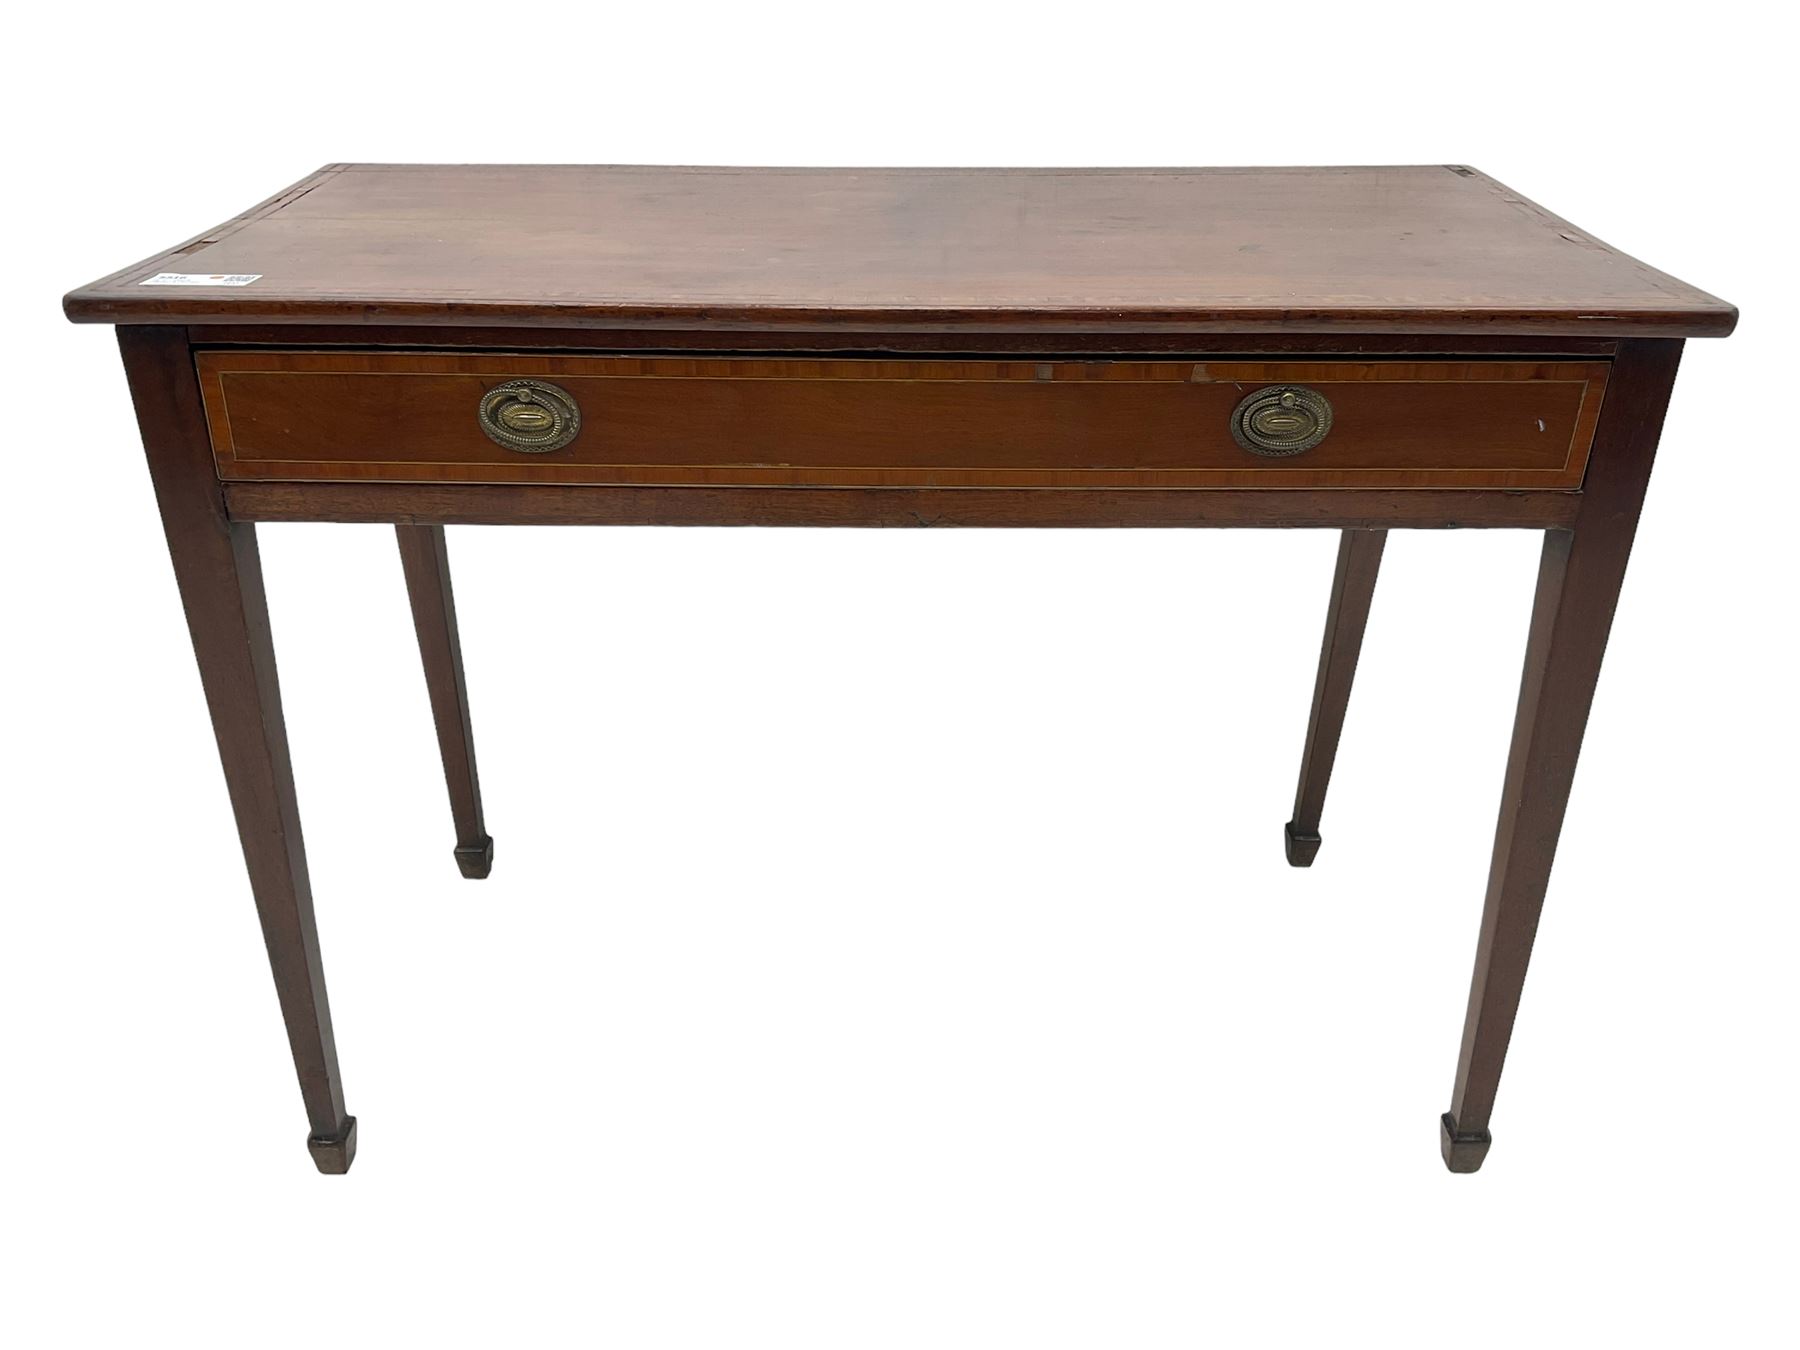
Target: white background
[889, 942]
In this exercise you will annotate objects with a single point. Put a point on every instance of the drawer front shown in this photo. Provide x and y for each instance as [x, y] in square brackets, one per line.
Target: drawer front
[429, 418]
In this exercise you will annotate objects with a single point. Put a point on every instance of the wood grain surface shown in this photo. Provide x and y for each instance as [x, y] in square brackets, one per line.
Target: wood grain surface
[1414, 249]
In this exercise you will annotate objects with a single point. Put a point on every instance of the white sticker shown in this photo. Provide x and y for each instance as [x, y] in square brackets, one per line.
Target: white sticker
[201, 279]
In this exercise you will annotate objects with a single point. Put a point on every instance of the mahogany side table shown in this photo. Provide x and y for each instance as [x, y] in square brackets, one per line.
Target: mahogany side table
[1353, 349]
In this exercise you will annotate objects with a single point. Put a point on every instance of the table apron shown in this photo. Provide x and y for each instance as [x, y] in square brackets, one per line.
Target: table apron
[531, 504]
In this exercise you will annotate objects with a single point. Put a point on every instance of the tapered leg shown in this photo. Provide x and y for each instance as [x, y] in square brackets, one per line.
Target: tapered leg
[427, 567]
[220, 578]
[1352, 590]
[1578, 587]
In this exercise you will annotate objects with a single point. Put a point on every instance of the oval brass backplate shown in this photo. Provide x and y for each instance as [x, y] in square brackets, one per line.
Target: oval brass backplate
[533, 417]
[1282, 420]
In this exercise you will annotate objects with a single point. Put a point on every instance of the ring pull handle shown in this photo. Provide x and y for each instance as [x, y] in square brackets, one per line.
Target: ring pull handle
[1282, 420]
[533, 417]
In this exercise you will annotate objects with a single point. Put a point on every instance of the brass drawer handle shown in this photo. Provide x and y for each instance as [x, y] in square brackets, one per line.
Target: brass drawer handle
[530, 416]
[1282, 420]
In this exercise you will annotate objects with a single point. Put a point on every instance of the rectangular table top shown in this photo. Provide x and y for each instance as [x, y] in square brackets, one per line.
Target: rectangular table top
[1417, 249]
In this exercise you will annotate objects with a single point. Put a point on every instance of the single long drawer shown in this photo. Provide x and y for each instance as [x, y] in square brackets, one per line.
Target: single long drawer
[868, 422]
